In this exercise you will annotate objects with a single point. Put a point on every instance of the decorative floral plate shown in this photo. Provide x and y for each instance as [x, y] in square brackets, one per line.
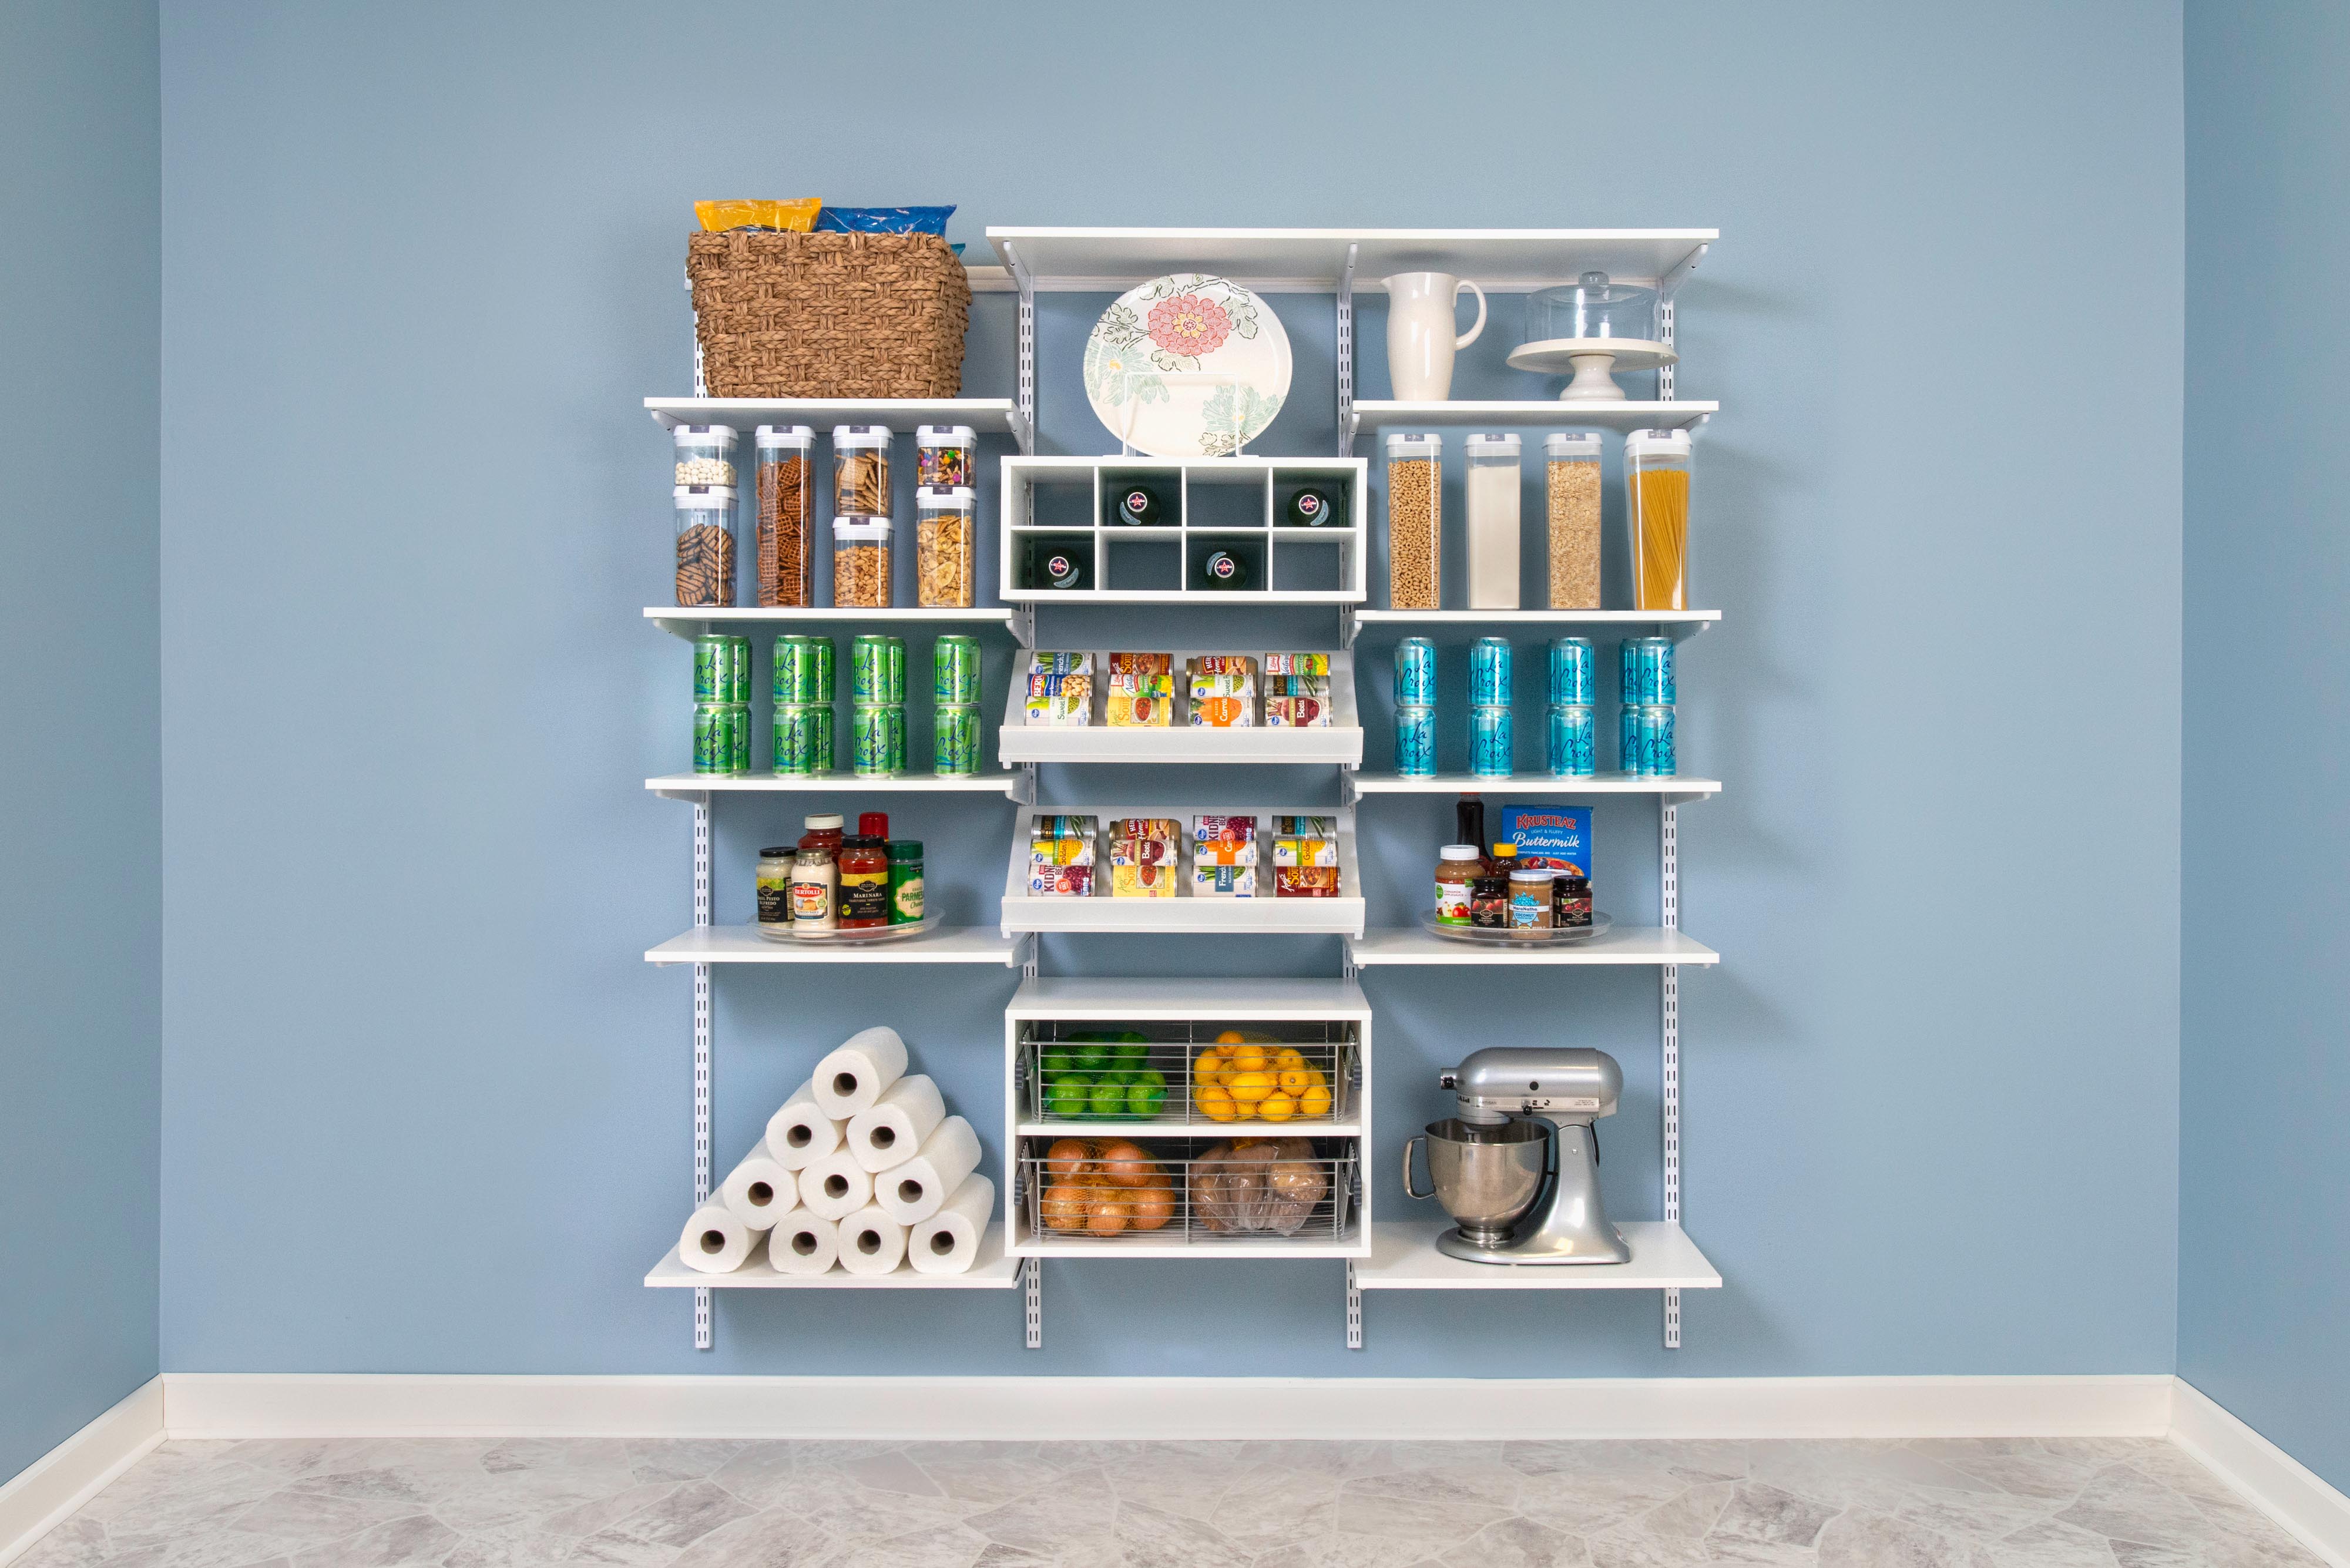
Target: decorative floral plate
[1187, 366]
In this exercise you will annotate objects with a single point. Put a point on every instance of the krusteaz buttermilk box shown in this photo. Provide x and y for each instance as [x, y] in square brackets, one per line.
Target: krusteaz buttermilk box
[1558, 835]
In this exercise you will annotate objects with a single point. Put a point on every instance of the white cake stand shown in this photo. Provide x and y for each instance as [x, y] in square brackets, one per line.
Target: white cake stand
[1592, 362]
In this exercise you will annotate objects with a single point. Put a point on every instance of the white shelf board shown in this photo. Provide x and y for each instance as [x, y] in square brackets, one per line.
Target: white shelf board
[1404, 1258]
[1339, 743]
[1181, 1001]
[1178, 596]
[1622, 945]
[990, 1271]
[1259, 916]
[743, 944]
[682, 784]
[1547, 413]
[1676, 624]
[997, 416]
[690, 622]
[1353, 1244]
[1313, 260]
[1680, 789]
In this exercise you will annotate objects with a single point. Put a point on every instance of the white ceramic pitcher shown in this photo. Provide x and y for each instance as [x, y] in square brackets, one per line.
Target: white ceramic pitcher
[1421, 313]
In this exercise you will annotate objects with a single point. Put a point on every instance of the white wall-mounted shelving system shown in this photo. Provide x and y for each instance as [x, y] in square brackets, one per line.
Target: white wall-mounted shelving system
[1383, 1255]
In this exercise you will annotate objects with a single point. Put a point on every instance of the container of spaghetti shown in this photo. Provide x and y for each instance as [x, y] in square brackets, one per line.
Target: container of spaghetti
[1656, 513]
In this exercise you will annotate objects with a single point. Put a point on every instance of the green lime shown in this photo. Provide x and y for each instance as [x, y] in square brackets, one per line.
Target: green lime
[1057, 1062]
[1128, 1053]
[1090, 1055]
[1109, 1097]
[1069, 1097]
[1143, 1100]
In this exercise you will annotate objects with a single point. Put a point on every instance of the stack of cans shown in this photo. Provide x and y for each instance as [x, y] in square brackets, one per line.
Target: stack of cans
[1490, 740]
[721, 704]
[804, 693]
[1644, 737]
[876, 705]
[1415, 696]
[1573, 733]
[955, 687]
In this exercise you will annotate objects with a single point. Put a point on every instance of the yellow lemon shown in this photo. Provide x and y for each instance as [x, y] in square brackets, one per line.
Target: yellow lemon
[1248, 1087]
[1249, 1058]
[1225, 1075]
[1315, 1076]
[1216, 1103]
[1293, 1081]
[1314, 1101]
[1231, 1037]
[1277, 1107]
[1205, 1068]
[1248, 1112]
[1289, 1058]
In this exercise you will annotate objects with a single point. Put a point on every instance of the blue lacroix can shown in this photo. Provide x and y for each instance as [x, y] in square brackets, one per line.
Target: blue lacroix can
[1574, 673]
[1491, 741]
[1627, 674]
[1656, 758]
[1489, 672]
[1628, 740]
[1656, 673]
[1415, 744]
[1572, 741]
[1415, 685]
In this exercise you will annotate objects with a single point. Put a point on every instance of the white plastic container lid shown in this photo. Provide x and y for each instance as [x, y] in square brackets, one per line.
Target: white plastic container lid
[945, 435]
[946, 498]
[1531, 874]
[703, 497]
[703, 435]
[860, 530]
[1490, 446]
[1573, 446]
[799, 436]
[1656, 444]
[1458, 852]
[1401, 444]
[860, 435]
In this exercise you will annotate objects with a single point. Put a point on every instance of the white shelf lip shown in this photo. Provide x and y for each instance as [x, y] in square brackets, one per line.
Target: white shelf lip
[1353, 1244]
[1544, 411]
[1204, 1127]
[1258, 916]
[1175, 596]
[691, 621]
[1404, 1258]
[1337, 743]
[1683, 787]
[1313, 260]
[1545, 617]
[675, 785]
[997, 416]
[1622, 945]
[1245, 1001]
[743, 944]
[990, 1271]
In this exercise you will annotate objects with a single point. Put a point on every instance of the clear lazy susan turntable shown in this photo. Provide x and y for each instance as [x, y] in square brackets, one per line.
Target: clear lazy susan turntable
[1591, 329]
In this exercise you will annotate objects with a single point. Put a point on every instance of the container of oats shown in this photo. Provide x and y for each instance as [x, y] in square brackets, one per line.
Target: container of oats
[946, 555]
[1573, 516]
[1415, 521]
[860, 563]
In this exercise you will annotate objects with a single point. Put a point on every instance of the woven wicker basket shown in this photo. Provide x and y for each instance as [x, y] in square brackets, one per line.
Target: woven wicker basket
[829, 316]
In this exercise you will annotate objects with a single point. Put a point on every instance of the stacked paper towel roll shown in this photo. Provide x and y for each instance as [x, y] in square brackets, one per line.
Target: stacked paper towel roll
[861, 1168]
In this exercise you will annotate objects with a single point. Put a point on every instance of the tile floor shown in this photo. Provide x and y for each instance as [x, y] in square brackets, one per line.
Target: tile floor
[368, 1503]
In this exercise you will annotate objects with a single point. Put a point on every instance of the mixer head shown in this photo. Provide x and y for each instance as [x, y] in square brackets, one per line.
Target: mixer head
[1567, 1085]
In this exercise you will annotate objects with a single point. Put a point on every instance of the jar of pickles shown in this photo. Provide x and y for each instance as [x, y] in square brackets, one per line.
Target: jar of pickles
[946, 554]
[860, 471]
[945, 454]
[705, 454]
[860, 563]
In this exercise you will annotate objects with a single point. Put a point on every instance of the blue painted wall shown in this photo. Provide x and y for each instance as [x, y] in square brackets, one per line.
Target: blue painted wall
[2264, 1177]
[422, 265]
[81, 812]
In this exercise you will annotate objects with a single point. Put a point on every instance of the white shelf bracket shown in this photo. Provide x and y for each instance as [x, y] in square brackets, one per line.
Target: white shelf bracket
[1354, 1308]
[700, 1040]
[1032, 1295]
[1024, 418]
[1347, 627]
[1346, 356]
[1668, 989]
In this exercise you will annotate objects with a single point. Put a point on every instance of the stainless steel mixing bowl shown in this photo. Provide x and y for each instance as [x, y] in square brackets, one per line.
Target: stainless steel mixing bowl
[1486, 1177]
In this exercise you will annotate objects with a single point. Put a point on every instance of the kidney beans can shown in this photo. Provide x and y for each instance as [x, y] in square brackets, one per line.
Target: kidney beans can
[1572, 741]
[1573, 672]
[954, 738]
[1492, 741]
[1656, 672]
[1489, 672]
[803, 740]
[954, 669]
[1415, 683]
[1415, 744]
[1656, 747]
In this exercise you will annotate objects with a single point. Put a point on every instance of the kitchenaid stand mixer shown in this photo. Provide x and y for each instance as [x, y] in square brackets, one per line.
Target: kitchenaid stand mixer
[1518, 1168]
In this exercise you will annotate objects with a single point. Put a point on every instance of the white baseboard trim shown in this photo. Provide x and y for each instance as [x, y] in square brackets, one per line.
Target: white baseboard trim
[230, 1404]
[2266, 1475]
[78, 1469]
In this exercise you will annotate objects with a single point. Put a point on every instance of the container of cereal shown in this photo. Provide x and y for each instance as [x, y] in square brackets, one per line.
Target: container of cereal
[945, 454]
[860, 563]
[705, 544]
[784, 573]
[860, 471]
[705, 454]
[1415, 521]
[1657, 501]
[1573, 490]
[946, 555]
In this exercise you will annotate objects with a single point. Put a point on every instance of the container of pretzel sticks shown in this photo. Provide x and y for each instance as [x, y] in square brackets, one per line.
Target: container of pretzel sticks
[705, 544]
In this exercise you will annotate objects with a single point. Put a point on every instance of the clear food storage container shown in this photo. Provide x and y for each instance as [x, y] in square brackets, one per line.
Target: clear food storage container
[945, 454]
[860, 563]
[1573, 491]
[946, 553]
[705, 544]
[860, 471]
[705, 454]
[1415, 521]
[1656, 493]
[785, 568]
[1492, 487]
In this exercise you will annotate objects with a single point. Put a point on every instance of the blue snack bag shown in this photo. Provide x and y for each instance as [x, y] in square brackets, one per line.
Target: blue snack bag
[883, 220]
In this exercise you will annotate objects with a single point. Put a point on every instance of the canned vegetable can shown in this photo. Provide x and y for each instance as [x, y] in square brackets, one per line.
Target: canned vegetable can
[1572, 741]
[1415, 678]
[954, 738]
[1656, 747]
[1491, 741]
[876, 670]
[803, 743]
[954, 669]
[1657, 672]
[877, 739]
[1415, 743]
[1489, 672]
[1574, 676]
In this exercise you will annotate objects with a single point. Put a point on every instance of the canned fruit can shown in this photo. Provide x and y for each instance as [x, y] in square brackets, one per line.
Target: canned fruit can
[1574, 671]
[954, 738]
[1656, 748]
[1489, 672]
[803, 670]
[1656, 673]
[721, 738]
[1492, 741]
[1628, 740]
[954, 669]
[877, 739]
[1415, 681]
[803, 744]
[1415, 743]
[1572, 741]
[876, 670]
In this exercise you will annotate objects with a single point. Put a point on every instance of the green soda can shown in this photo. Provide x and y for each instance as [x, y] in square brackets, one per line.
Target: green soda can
[721, 738]
[738, 671]
[955, 738]
[803, 744]
[954, 669]
[876, 740]
[712, 664]
[803, 670]
[876, 670]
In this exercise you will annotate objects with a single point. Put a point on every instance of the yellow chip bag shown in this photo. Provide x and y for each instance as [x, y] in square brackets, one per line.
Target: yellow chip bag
[783, 217]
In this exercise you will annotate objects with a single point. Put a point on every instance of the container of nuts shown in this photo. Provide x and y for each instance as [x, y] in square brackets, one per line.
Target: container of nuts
[860, 471]
[946, 555]
[705, 544]
[1415, 521]
[705, 454]
[945, 454]
[782, 574]
[860, 563]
